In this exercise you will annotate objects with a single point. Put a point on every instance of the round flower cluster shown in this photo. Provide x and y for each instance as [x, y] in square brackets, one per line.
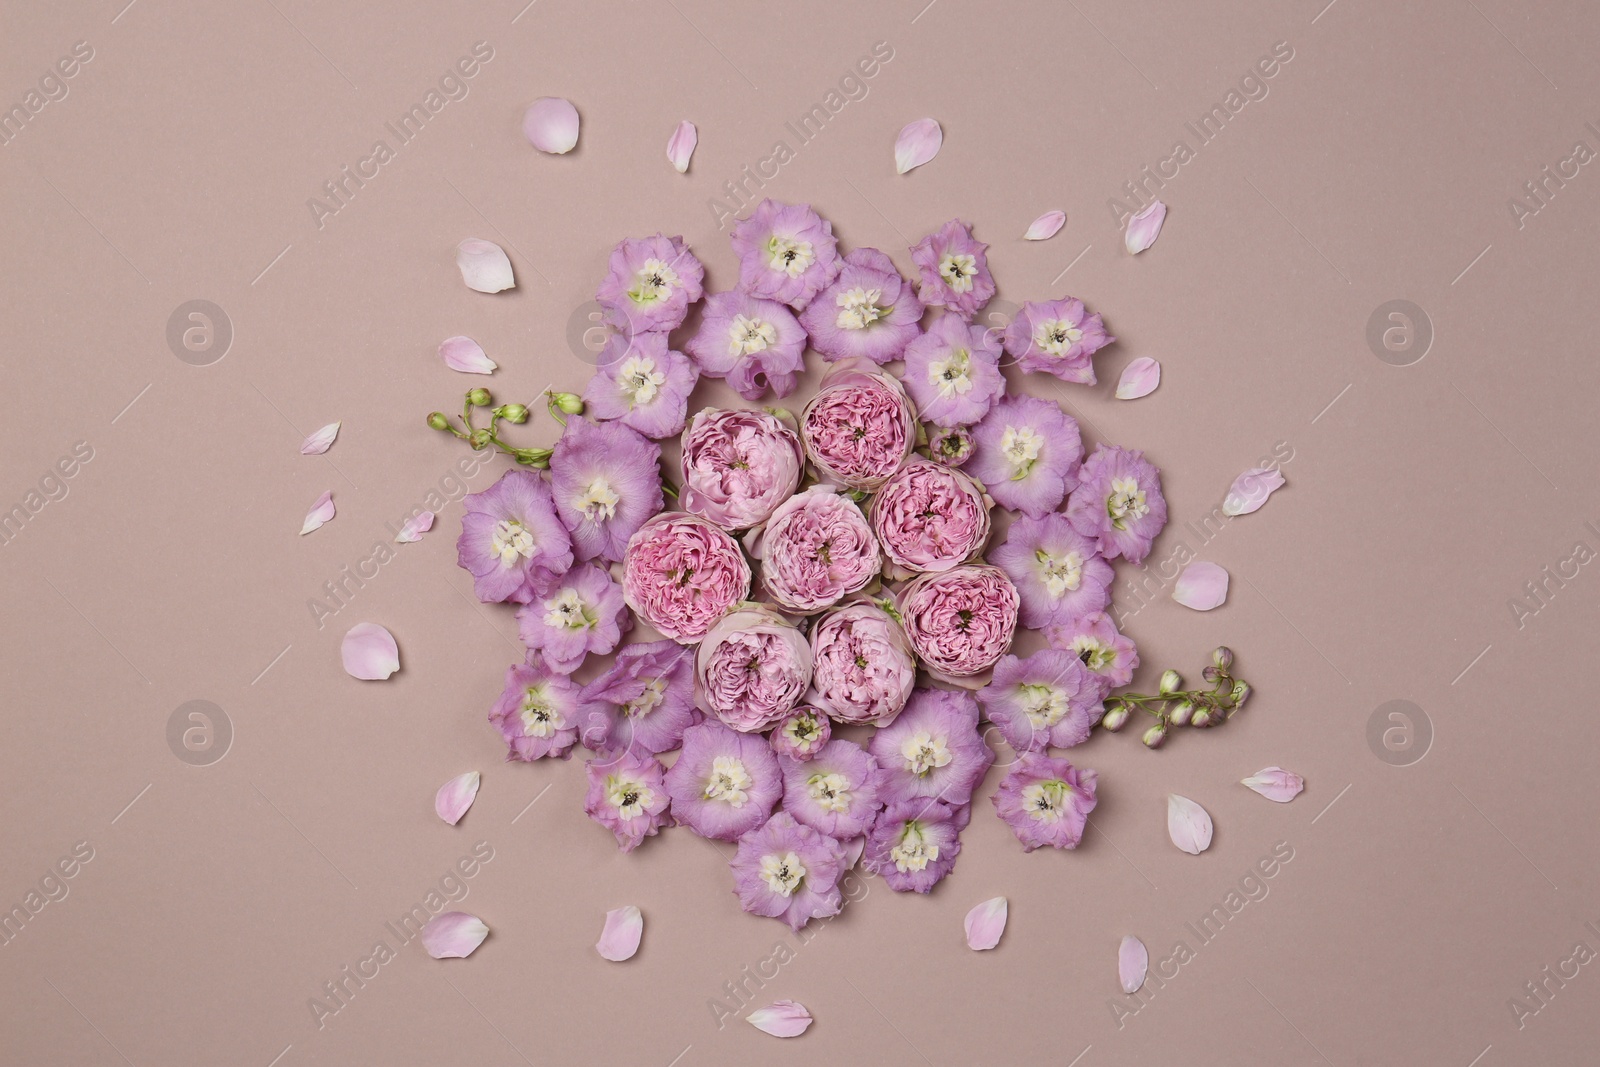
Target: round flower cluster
[809, 566]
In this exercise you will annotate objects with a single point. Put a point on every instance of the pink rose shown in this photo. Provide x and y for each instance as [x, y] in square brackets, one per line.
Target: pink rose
[930, 517]
[960, 622]
[860, 427]
[738, 466]
[816, 548]
[862, 668]
[681, 574]
[752, 668]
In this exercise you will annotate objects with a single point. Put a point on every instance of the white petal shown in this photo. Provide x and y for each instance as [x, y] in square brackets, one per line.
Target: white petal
[681, 145]
[985, 923]
[1145, 227]
[620, 938]
[551, 124]
[465, 355]
[1251, 489]
[1202, 586]
[1046, 226]
[1188, 824]
[782, 1018]
[917, 143]
[413, 528]
[1275, 783]
[456, 796]
[1133, 961]
[1139, 378]
[369, 652]
[321, 441]
[484, 266]
[320, 513]
[453, 935]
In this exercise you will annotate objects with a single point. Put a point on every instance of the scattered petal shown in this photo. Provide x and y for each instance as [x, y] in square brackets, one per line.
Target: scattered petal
[620, 938]
[681, 145]
[320, 513]
[1046, 226]
[456, 796]
[1145, 227]
[853, 849]
[484, 266]
[1133, 960]
[369, 652]
[551, 124]
[1275, 783]
[1251, 489]
[985, 923]
[782, 1018]
[413, 528]
[465, 355]
[1188, 824]
[1139, 378]
[917, 143]
[321, 441]
[1202, 586]
[453, 935]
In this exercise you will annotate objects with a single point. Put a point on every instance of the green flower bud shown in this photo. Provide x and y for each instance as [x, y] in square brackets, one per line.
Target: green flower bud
[1181, 713]
[1202, 718]
[1171, 682]
[480, 397]
[568, 403]
[1241, 693]
[1154, 736]
[479, 440]
[438, 421]
[1115, 719]
[1222, 658]
[514, 413]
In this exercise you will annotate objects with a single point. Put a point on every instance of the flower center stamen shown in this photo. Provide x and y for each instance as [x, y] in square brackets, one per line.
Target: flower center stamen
[923, 752]
[599, 502]
[858, 308]
[915, 851]
[654, 282]
[511, 541]
[729, 782]
[1063, 574]
[749, 336]
[952, 375]
[790, 256]
[539, 717]
[1126, 503]
[1046, 801]
[958, 270]
[1021, 446]
[830, 791]
[640, 380]
[1056, 336]
[782, 874]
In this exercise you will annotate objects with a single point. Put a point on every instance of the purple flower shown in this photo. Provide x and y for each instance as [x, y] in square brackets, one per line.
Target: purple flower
[627, 795]
[788, 871]
[585, 613]
[643, 702]
[950, 445]
[835, 792]
[724, 783]
[642, 383]
[739, 465]
[933, 749]
[1046, 801]
[1094, 639]
[1048, 699]
[653, 281]
[914, 843]
[1027, 454]
[953, 372]
[1058, 572]
[512, 541]
[607, 481]
[753, 343]
[1057, 337]
[801, 734]
[1118, 500]
[869, 311]
[537, 714]
[954, 269]
[786, 253]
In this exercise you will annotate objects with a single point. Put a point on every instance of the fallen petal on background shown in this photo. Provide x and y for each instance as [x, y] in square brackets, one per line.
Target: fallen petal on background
[453, 935]
[484, 266]
[1145, 227]
[782, 1018]
[985, 923]
[321, 441]
[917, 143]
[1251, 489]
[369, 652]
[456, 796]
[465, 355]
[320, 513]
[681, 145]
[1139, 378]
[1275, 783]
[413, 528]
[620, 938]
[1202, 586]
[1133, 960]
[551, 125]
[1188, 824]
[1046, 226]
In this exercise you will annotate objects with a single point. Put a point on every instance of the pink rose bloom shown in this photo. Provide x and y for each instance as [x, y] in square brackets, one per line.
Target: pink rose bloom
[860, 427]
[681, 574]
[862, 669]
[738, 466]
[752, 668]
[816, 548]
[960, 622]
[930, 517]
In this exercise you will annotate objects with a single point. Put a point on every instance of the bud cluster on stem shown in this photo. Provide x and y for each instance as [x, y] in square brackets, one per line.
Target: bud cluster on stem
[481, 437]
[1172, 705]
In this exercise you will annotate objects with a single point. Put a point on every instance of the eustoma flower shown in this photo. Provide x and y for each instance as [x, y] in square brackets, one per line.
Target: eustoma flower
[862, 670]
[954, 269]
[835, 792]
[585, 613]
[953, 371]
[511, 540]
[786, 253]
[724, 783]
[930, 517]
[1118, 500]
[816, 547]
[653, 281]
[607, 482]
[1027, 453]
[752, 668]
[738, 466]
[681, 574]
[643, 702]
[869, 311]
[860, 427]
[788, 871]
[1047, 700]
[1058, 572]
[914, 843]
[537, 714]
[933, 750]
[751, 342]
[960, 622]
[1057, 337]
[628, 796]
[1046, 801]
[642, 383]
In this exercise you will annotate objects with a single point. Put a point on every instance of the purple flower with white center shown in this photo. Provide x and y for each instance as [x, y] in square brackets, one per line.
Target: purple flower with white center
[724, 783]
[835, 792]
[1057, 337]
[787, 871]
[643, 702]
[1118, 500]
[914, 843]
[512, 541]
[584, 613]
[801, 734]
[954, 270]
[787, 252]
[607, 482]
[537, 713]
[642, 383]
[1026, 453]
[1058, 572]
[869, 311]
[753, 343]
[653, 281]
[1094, 639]
[933, 748]
[628, 796]
[1047, 700]
[953, 372]
[1046, 801]
[950, 445]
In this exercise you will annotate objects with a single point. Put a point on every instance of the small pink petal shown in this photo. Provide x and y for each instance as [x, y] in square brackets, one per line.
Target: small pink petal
[1202, 586]
[321, 441]
[1133, 961]
[465, 355]
[484, 266]
[369, 652]
[453, 935]
[1251, 489]
[1139, 378]
[782, 1018]
[985, 923]
[1145, 227]
[1275, 783]
[551, 125]
[1188, 824]
[456, 796]
[1046, 226]
[413, 528]
[917, 143]
[320, 512]
[620, 938]
[682, 144]
[853, 849]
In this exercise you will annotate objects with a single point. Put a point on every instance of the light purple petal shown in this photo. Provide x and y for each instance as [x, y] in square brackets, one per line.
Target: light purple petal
[453, 935]
[465, 355]
[1133, 960]
[620, 938]
[853, 849]
[1139, 378]
[1251, 489]
[1202, 586]
[682, 144]
[551, 125]
[782, 1018]
[321, 441]
[484, 266]
[1188, 824]
[985, 923]
[369, 652]
[456, 796]
[917, 143]
[1046, 226]
[1275, 783]
[1145, 227]
[413, 528]
[320, 512]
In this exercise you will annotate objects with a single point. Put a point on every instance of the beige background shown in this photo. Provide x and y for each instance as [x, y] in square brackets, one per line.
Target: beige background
[1421, 500]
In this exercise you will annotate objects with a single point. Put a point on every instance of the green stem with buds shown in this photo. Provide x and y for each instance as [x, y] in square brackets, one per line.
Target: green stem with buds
[1175, 706]
[481, 437]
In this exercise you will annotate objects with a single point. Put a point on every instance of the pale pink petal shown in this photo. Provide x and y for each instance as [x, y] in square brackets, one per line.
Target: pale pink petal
[321, 441]
[1275, 783]
[1133, 960]
[1251, 489]
[551, 124]
[681, 145]
[484, 266]
[1139, 378]
[1046, 226]
[620, 938]
[1202, 586]
[853, 849]
[1145, 227]
[320, 513]
[413, 528]
[369, 652]
[456, 796]
[453, 935]
[465, 355]
[1188, 824]
[917, 143]
[782, 1018]
[985, 923]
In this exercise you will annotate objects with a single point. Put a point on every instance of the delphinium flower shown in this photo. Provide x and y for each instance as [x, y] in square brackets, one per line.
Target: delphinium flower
[681, 574]
[862, 668]
[1118, 501]
[739, 465]
[869, 311]
[606, 480]
[642, 383]
[859, 427]
[914, 843]
[950, 445]
[787, 252]
[1047, 700]
[583, 613]
[537, 713]
[801, 734]
[1027, 454]
[953, 371]
[752, 668]
[1046, 801]
[954, 269]
[754, 344]
[930, 517]
[628, 796]
[816, 547]
[1058, 572]
[835, 792]
[643, 702]
[652, 282]
[1057, 337]
[512, 541]
[724, 783]
[960, 622]
[787, 871]
[933, 749]
[1094, 639]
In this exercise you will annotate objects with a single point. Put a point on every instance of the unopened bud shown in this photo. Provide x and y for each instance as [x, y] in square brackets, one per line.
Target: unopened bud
[1154, 736]
[1181, 713]
[1222, 658]
[437, 420]
[1115, 719]
[1210, 674]
[479, 440]
[1202, 718]
[567, 403]
[480, 397]
[1171, 681]
[1241, 693]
